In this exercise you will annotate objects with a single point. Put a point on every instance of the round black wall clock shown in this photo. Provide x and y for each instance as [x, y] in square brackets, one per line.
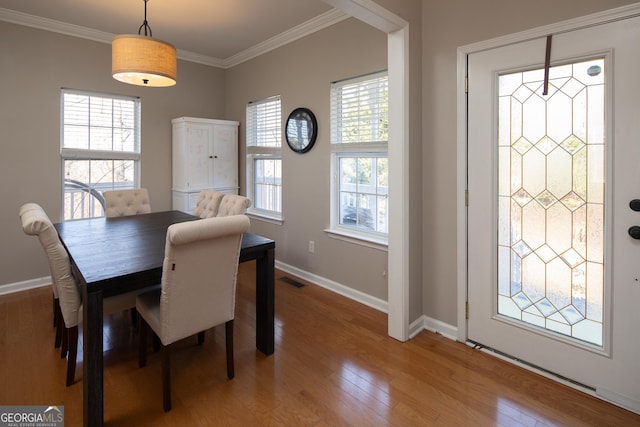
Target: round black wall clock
[301, 130]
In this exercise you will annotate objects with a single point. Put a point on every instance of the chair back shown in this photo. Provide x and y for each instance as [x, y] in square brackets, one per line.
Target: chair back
[233, 204]
[23, 209]
[35, 222]
[208, 203]
[126, 202]
[199, 275]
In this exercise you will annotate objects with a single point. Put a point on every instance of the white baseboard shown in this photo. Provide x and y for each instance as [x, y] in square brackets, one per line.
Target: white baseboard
[435, 326]
[336, 287]
[416, 327]
[422, 323]
[25, 285]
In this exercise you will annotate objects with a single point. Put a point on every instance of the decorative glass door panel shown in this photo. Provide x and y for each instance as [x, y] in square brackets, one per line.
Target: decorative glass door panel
[551, 170]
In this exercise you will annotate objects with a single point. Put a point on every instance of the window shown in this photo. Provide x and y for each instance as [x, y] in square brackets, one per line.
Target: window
[264, 160]
[360, 164]
[100, 149]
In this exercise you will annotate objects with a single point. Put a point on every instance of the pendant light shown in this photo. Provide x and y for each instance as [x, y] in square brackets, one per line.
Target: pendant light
[142, 60]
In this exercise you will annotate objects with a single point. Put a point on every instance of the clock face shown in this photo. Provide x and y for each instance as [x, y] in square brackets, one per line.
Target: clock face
[301, 130]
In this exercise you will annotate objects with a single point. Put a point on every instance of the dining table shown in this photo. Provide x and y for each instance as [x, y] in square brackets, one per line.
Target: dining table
[111, 256]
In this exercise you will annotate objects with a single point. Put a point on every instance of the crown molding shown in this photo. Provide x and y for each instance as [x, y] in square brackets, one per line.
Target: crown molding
[47, 24]
[186, 55]
[370, 12]
[318, 23]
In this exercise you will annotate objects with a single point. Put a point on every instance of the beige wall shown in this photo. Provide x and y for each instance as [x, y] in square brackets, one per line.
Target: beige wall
[447, 25]
[34, 66]
[301, 73]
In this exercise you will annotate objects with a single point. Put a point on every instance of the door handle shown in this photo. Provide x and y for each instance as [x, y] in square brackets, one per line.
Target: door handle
[634, 231]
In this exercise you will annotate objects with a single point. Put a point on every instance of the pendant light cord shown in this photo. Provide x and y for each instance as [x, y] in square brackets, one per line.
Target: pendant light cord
[145, 24]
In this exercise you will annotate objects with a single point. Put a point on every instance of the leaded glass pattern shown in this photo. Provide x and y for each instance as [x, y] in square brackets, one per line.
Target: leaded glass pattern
[551, 174]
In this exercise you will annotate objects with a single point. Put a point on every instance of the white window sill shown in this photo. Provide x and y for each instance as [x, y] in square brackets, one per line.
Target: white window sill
[271, 217]
[362, 239]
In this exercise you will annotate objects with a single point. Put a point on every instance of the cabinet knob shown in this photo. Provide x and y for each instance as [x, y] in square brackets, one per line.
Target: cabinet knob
[211, 157]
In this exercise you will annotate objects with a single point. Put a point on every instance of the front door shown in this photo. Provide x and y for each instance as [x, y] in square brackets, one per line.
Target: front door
[553, 273]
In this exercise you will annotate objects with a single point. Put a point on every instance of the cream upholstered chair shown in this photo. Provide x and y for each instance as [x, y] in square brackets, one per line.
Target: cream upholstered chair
[198, 288]
[126, 202]
[36, 222]
[208, 203]
[58, 322]
[233, 204]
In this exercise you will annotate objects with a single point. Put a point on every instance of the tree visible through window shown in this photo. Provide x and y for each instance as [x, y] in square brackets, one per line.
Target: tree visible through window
[100, 149]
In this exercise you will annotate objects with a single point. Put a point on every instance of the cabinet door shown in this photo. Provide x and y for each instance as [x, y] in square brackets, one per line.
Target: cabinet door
[225, 156]
[199, 140]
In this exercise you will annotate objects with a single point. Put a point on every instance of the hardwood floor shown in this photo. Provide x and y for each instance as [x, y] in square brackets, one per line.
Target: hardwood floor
[334, 365]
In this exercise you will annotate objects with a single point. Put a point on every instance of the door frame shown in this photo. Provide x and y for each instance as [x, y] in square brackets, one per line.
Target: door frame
[462, 118]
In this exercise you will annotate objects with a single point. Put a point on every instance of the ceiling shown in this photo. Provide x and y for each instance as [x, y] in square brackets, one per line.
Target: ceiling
[218, 32]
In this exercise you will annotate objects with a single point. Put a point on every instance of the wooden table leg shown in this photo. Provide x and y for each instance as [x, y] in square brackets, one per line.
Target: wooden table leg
[265, 302]
[92, 362]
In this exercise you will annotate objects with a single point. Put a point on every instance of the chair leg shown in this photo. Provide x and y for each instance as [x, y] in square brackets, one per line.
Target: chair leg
[134, 316]
[229, 336]
[156, 342]
[166, 377]
[56, 307]
[73, 352]
[200, 338]
[58, 323]
[64, 346]
[142, 342]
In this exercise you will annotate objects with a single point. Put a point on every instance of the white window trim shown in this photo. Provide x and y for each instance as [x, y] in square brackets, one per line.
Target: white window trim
[362, 239]
[80, 154]
[266, 216]
[88, 154]
[259, 152]
[371, 239]
[252, 211]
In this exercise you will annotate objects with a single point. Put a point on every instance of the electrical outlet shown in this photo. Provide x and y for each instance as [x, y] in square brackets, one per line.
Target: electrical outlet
[312, 246]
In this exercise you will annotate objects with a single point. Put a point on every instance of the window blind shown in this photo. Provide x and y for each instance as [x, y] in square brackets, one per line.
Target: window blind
[263, 123]
[359, 110]
[100, 123]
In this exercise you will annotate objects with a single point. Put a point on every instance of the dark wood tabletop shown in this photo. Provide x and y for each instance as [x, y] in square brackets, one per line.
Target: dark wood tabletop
[110, 256]
[120, 254]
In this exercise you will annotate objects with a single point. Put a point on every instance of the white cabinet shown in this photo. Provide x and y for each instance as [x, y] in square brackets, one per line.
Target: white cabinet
[205, 156]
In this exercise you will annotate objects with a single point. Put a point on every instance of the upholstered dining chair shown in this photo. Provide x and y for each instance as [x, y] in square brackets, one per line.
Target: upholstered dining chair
[198, 289]
[233, 204]
[36, 222]
[126, 202]
[58, 322]
[208, 203]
